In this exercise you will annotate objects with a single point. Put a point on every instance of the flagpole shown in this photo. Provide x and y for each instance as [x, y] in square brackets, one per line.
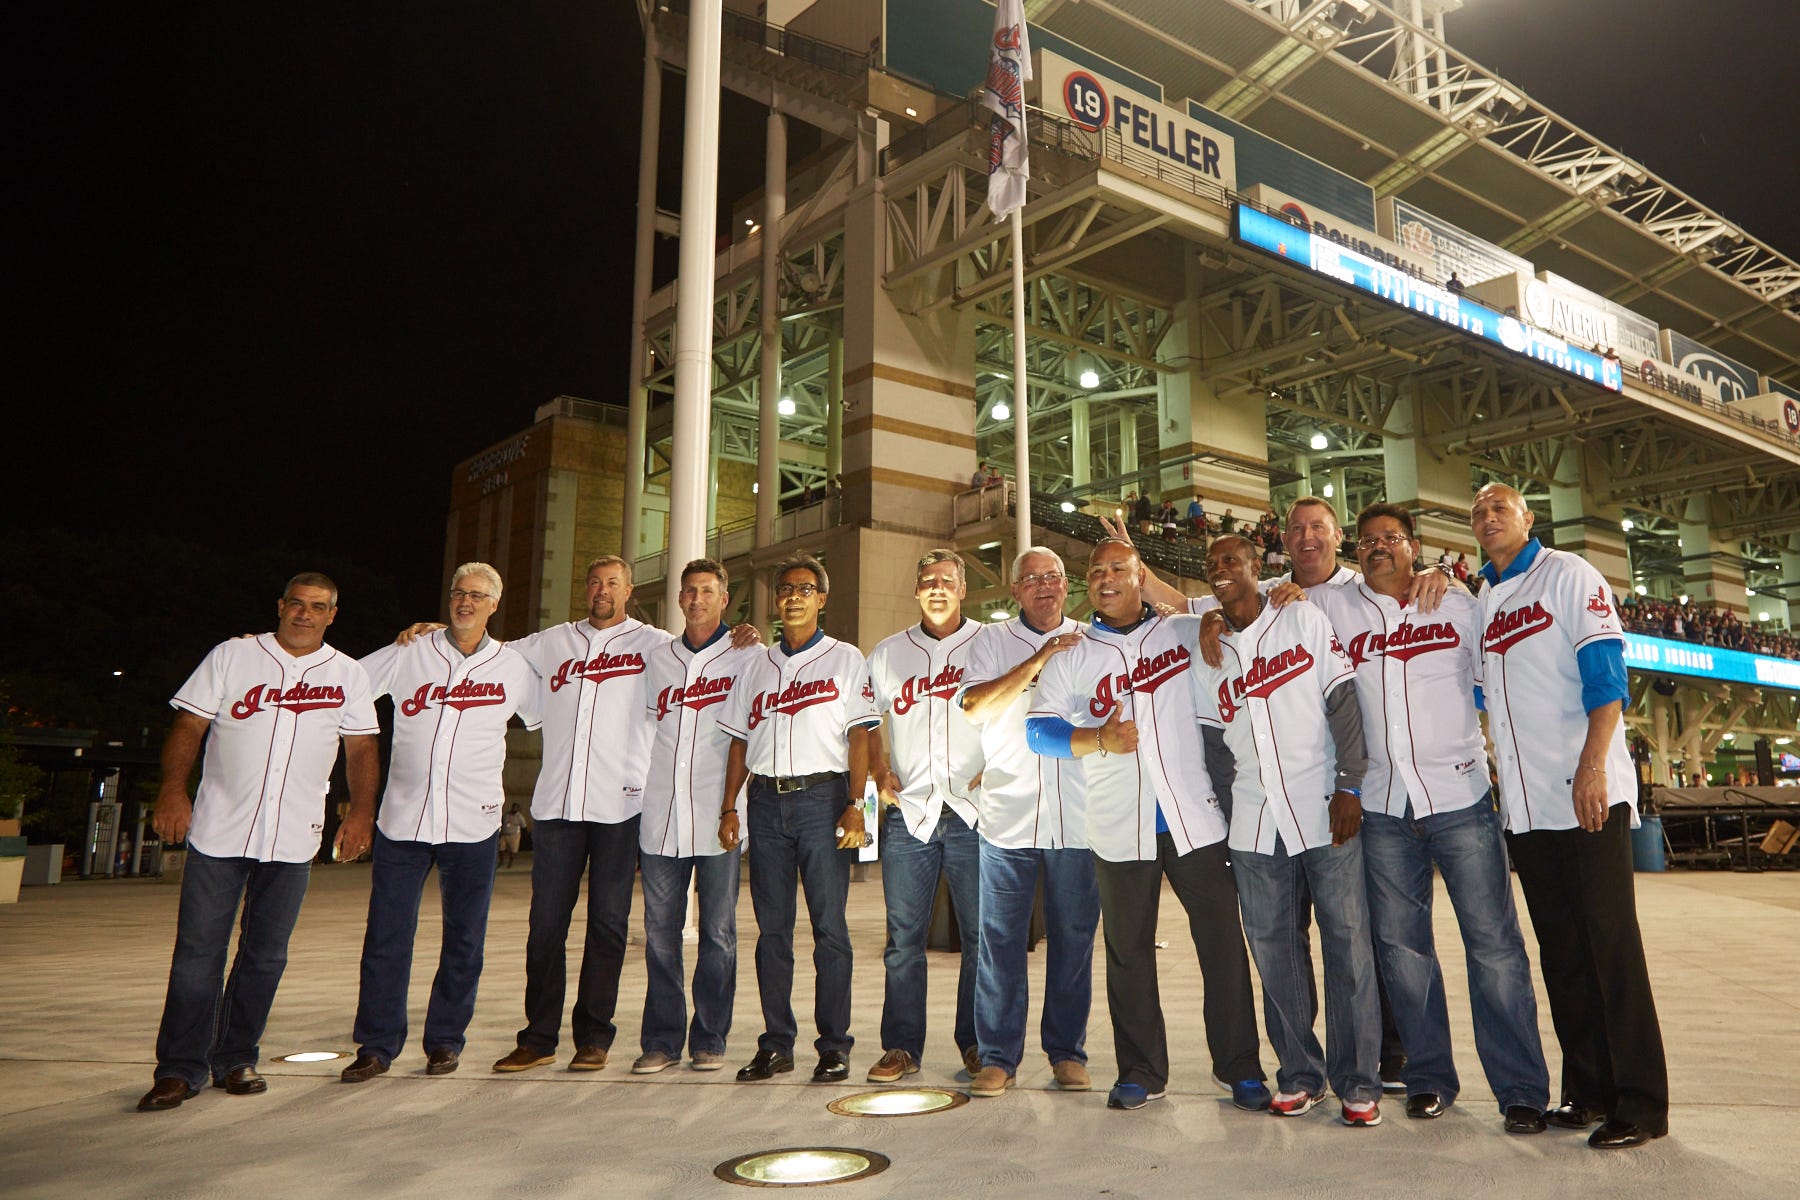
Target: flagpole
[1021, 434]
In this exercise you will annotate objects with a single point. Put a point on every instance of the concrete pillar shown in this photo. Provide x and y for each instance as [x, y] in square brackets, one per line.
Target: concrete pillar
[1713, 569]
[1435, 485]
[1582, 525]
[1194, 419]
[834, 405]
[768, 428]
[1790, 576]
[637, 398]
[909, 392]
[1128, 447]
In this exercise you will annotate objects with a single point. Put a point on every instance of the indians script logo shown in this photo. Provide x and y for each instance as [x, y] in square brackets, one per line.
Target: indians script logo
[702, 693]
[1263, 678]
[1403, 643]
[1597, 603]
[798, 695]
[467, 694]
[302, 697]
[1148, 675]
[941, 686]
[598, 669]
[1513, 626]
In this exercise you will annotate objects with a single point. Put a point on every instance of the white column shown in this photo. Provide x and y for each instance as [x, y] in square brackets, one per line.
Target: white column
[694, 296]
[768, 393]
[636, 398]
[1081, 466]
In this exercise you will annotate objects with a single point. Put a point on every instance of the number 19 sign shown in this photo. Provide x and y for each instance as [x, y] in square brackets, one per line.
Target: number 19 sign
[1139, 122]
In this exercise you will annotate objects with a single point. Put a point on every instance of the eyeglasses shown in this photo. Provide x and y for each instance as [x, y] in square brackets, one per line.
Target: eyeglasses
[1389, 540]
[459, 594]
[1042, 577]
[784, 590]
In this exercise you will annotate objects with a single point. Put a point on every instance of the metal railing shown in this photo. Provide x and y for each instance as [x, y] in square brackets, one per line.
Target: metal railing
[840, 60]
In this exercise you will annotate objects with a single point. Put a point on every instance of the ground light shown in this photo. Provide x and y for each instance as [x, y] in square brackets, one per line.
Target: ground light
[309, 1056]
[898, 1102]
[801, 1166]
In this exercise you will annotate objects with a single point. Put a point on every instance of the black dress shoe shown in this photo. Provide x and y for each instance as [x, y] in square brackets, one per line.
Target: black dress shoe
[441, 1061]
[365, 1068]
[765, 1065]
[1619, 1135]
[1573, 1116]
[1425, 1106]
[166, 1093]
[1522, 1118]
[834, 1067]
[244, 1081]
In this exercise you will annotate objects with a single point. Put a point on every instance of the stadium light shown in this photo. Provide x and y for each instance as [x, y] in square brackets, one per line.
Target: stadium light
[1319, 442]
[1090, 379]
[1001, 411]
[1627, 525]
[785, 406]
[1641, 590]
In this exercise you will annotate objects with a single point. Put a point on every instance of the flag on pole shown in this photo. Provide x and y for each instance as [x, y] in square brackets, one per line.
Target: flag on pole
[1009, 67]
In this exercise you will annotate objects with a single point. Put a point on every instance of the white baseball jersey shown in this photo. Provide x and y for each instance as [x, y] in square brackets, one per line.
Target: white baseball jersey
[794, 712]
[1147, 673]
[686, 691]
[935, 749]
[1533, 624]
[596, 734]
[450, 715]
[1027, 802]
[1269, 698]
[1416, 675]
[276, 720]
[1342, 577]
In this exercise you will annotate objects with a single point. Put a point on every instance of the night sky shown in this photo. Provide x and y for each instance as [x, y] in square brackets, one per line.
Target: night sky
[278, 270]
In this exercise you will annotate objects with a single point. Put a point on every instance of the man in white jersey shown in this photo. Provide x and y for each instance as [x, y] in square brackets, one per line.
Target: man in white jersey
[1427, 803]
[1122, 699]
[930, 794]
[1554, 686]
[585, 811]
[690, 680]
[1031, 829]
[1282, 714]
[454, 692]
[271, 711]
[798, 719]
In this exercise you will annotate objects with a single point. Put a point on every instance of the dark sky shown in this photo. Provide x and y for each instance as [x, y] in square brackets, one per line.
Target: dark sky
[281, 266]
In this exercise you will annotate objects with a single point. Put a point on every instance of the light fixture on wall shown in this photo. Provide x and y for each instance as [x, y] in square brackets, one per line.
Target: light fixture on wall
[785, 406]
[1000, 411]
[1318, 441]
[1090, 378]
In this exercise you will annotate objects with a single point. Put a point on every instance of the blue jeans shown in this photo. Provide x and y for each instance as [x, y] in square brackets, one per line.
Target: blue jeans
[909, 879]
[793, 840]
[665, 879]
[1270, 890]
[1009, 880]
[465, 885]
[562, 852]
[211, 1024]
[1466, 845]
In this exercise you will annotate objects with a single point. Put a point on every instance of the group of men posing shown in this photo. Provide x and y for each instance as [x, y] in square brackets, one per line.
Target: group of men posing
[1308, 746]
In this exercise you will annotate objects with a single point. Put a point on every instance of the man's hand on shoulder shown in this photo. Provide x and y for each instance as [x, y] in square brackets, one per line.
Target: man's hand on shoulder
[417, 630]
[1428, 588]
[745, 635]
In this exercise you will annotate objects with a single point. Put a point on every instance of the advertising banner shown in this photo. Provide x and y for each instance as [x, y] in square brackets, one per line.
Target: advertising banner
[1573, 311]
[1712, 662]
[1450, 249]
[1253, 227]
[1140, 122]
[1323, 224]
[1724, 379]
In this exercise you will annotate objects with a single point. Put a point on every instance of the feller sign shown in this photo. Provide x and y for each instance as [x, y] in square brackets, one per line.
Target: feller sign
[1099, 105]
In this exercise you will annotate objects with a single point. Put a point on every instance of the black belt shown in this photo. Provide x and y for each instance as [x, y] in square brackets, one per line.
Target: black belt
[798, 783]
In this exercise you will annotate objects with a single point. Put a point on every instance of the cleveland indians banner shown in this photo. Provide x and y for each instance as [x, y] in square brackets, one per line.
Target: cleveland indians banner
[1009, 69]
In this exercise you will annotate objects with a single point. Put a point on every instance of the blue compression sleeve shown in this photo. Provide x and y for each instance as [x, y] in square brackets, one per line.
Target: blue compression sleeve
[1051, 737]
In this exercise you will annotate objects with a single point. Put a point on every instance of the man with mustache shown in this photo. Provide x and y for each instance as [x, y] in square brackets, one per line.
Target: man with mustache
[1427, 803]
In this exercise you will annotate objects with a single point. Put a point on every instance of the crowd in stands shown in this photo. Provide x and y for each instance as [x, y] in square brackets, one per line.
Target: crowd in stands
[1704, 624]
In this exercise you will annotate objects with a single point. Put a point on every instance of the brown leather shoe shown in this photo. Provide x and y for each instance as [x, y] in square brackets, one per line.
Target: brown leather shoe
[589, 1058]
[971, 1057]
[893, 1065]
[1071, 1076]
[365, 1068]
[990, 1081]
[166, 1093]
[243, 1081]
[442, 1061]
[523, 1059]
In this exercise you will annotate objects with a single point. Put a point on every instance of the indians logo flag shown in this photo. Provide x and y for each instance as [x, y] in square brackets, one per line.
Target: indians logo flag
[1009, 68]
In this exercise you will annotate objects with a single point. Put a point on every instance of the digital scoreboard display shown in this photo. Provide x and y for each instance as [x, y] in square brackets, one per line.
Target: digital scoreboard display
[1272, 235]
[1710, 662]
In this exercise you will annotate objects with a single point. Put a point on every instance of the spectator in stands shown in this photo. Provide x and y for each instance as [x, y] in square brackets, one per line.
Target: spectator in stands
[1143, 514]
[1227, 523]
[1171, 522]
[1455, 284]
[979, 479]
[1196, 515]
[1460, 568]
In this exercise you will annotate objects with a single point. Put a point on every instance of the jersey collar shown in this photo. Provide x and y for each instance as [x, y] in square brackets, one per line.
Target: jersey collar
[716, 635]
[1518, 566]
[817, 637]
[1144, 614]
